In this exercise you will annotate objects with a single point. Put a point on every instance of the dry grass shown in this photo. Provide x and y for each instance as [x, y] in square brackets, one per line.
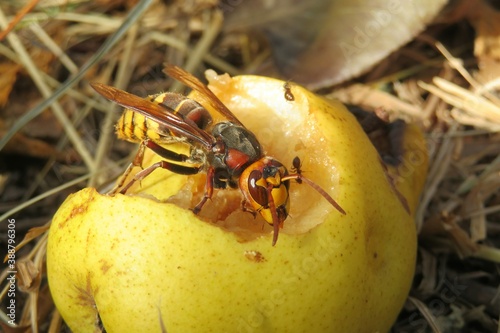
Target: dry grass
[436, 81]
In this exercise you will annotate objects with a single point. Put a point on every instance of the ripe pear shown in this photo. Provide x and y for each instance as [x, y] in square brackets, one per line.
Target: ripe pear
[143, 262]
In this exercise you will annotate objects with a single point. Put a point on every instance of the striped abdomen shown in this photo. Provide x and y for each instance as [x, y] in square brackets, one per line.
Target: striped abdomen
[134, 127]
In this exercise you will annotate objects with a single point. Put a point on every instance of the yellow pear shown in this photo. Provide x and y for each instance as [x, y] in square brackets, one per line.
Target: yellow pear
[143, 262]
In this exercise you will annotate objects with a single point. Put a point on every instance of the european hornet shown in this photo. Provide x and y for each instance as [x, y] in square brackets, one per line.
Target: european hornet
[227, 151]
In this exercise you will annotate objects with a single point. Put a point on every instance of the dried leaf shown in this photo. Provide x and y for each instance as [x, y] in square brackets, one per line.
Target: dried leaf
[32, 234]
[464, 244]
[29, 277]
[20, 144]
[7, 79]
[474, 205]
[429, 273]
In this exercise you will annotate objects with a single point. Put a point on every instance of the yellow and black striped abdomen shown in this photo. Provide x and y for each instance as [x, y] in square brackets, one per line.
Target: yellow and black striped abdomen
[134, 127]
